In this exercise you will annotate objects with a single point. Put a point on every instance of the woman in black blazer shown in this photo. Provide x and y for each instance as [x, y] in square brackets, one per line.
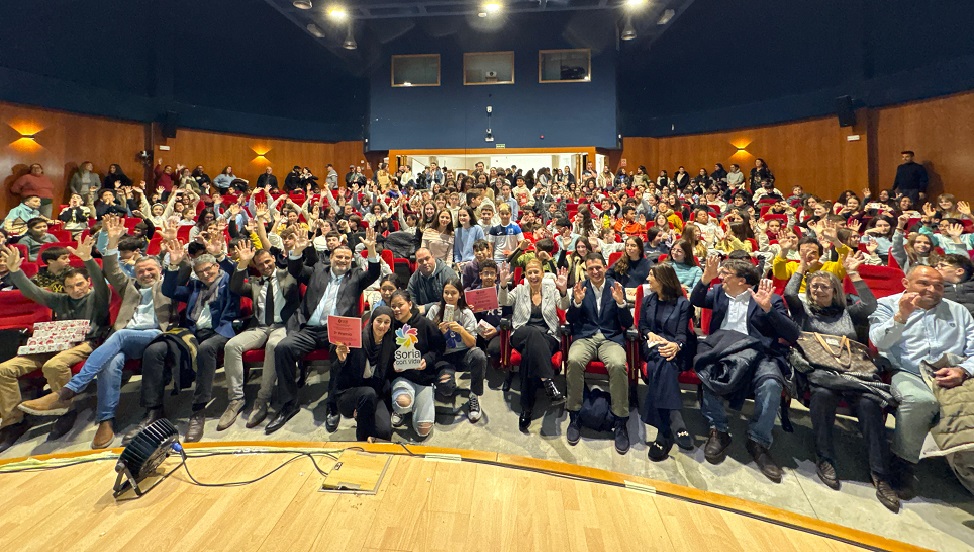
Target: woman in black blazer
[360, 381]
[668, 349]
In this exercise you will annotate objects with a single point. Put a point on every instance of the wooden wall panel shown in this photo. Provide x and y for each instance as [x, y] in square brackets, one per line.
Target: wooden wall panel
[812, 153]
[61, 142]
[249, 156]
[939, 131]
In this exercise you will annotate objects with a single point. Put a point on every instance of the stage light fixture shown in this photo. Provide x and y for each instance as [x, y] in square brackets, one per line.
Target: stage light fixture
[337, 13]
[315, 30]
[350, 43]
[302, 4]
[144, 453]
[632, 4]
[492, 7]
[666, 17]
[628, 32]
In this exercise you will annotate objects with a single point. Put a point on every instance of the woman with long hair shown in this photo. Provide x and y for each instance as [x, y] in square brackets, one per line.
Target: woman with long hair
[918, 249]
[359, 385]
[459, 327]
[535, 322]
[467, 233]
[576, 261]
[881, 230]
[412, 390]
[115, 178]
[760, 172]
[438, 237]
[632, 268]
[685, 264]
[584, 225]
[825, 310]
[667, 346]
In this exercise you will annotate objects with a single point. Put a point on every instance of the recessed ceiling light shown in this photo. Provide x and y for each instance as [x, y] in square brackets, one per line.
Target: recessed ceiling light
[492, 7]
[482, 14]
[634, 3]
[302, 4]
[337, 13]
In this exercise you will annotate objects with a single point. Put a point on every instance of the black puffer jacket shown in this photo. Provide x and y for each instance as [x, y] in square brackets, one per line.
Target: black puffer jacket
[962, 293]
[731, 364]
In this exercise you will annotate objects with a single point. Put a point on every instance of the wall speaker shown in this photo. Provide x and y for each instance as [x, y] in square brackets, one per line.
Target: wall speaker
[845, 111]
[169, 124]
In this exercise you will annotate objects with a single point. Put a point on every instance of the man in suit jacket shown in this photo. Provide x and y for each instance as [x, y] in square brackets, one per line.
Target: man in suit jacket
[275, 297]
[762, 315]
[145, 312]
[599, 317]
[333, 289]
[211, 308]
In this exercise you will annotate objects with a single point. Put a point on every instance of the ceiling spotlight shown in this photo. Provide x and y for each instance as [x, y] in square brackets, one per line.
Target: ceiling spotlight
[302, 4]
[482, 14]
[315, 30]
[492, 7]
[628, 32]
[337, 13]
[665, 18]
[350, 43]
[635, 3]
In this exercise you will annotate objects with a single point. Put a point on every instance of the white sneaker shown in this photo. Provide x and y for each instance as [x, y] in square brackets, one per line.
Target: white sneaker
[473, 409]
[397, 420]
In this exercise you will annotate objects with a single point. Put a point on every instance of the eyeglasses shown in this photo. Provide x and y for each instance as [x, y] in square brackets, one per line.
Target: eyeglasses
[820, 287]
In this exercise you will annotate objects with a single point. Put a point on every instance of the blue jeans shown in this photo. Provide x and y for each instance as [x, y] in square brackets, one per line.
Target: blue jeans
[106, 363]
[767, 397]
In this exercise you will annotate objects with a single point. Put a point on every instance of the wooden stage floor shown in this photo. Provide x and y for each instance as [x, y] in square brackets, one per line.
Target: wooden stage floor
[438, 499]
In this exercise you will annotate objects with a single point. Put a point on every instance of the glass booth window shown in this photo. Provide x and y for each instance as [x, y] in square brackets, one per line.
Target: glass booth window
[488, 68]
[416, 70]
[565, 65]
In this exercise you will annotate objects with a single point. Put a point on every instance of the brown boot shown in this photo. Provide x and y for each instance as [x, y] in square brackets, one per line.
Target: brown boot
[48, 405]
[104, 436]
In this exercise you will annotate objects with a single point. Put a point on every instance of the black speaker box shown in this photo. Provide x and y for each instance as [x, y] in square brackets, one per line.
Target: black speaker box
[169, 124]
[845, 111]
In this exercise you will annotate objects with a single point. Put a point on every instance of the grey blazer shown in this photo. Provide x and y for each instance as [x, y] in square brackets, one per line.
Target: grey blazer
[551, 300]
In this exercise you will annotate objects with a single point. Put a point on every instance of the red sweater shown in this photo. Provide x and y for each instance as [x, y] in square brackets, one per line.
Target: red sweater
[29, 184]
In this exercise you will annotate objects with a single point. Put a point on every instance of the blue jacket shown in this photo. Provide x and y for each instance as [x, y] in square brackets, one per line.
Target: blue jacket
[612, 320]
[223, 310]
[766, 327]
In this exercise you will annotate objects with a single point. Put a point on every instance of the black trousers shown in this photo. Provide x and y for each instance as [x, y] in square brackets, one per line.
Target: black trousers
[370, 411]
[823, 405]
[536, 348]
[161, 358]
[289, 352]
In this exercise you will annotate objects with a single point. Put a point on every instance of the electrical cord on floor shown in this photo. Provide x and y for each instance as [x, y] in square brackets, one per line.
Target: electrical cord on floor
[298, 455]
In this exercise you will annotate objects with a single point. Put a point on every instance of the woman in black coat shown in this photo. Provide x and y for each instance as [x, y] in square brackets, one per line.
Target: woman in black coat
[668, 349]
[360, 382]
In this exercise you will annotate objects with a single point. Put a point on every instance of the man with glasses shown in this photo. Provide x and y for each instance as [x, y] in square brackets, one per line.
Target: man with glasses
[744, 304]
[599, 318]
[211, 308]
[914, 327]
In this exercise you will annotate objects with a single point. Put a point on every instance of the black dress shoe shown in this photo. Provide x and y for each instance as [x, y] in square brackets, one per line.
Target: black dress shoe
[332, 417]
[762, 457]
[659, 450]
[621, 435]
[195, 430]
[151, 415]
[62, 425]
[901, 478]
[11, 433]
[524, 420]
[826, 472]
[574, 432]
[684, 440]
[716, 448]
[886, 494]
[552, 391]
[286, 413]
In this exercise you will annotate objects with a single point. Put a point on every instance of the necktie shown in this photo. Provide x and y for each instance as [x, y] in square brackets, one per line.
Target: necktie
[269, 303]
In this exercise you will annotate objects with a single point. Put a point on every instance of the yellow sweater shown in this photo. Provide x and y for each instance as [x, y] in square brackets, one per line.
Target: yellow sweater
[783, 269]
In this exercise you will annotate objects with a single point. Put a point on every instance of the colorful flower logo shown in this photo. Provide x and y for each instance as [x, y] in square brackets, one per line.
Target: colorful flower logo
[406, 337]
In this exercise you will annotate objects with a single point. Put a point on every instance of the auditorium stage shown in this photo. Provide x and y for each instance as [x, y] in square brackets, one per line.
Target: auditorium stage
[428, 498]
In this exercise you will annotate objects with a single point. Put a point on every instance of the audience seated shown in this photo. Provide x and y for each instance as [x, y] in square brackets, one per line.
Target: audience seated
[256, 272]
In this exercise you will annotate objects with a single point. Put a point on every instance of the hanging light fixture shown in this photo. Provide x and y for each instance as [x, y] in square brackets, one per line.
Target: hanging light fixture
[302, 4]
[315, 30]
[350, 43]
[628, 32]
